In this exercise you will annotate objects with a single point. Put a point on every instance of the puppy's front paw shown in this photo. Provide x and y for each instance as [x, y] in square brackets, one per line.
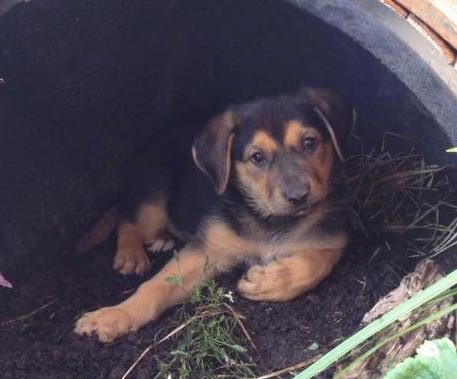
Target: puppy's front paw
[129, 261]
[161, 241]
[161, 244]
[107, 323]
[266, 283]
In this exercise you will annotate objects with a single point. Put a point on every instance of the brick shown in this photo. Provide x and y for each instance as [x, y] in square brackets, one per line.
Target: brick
[445, 49]
[397, 8]
[429, 13]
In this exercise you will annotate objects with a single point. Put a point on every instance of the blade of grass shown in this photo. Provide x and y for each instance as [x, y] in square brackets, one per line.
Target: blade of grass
[368, 331]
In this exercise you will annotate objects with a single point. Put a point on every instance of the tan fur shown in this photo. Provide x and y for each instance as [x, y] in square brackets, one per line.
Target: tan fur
[98, 232]
[324, 162]
[224, 246]
[320, 163]
[149, 301]
[152, 218]
[151, 225]
[264, 142]
[285, 279]
[255, 183]
[130, 256]
[293, 134]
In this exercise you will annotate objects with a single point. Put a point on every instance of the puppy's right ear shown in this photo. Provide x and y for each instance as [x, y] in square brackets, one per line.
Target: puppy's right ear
[212, 148]
[336, 113]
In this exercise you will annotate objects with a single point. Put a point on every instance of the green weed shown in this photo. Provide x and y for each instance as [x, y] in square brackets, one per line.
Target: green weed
[208, 343]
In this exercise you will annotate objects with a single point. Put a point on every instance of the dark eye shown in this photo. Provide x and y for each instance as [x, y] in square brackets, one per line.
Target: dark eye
[258, 158]
[309, 143]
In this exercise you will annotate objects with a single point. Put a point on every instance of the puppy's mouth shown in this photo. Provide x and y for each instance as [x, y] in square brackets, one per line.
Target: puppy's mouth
[303, 209]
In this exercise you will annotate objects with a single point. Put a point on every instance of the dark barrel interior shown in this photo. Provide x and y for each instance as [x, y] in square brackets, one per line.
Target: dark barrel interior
[86, 81]
[83, 83]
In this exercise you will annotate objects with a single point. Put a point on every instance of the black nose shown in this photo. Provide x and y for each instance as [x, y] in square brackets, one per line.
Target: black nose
[296, 195]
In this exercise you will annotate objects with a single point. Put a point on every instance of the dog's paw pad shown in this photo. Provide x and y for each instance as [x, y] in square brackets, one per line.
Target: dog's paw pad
[129, 261]
[107, 323]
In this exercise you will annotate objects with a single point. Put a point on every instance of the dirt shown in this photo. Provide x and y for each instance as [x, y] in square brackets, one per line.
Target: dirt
[37, 317]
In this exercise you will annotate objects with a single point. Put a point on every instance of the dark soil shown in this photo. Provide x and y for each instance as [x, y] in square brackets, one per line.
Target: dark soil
[42, 344]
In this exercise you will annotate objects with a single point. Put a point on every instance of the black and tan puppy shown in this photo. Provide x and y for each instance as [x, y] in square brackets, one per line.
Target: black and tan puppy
[274, 163]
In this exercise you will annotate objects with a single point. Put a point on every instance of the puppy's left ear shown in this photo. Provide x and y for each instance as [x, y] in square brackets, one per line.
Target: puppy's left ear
[338, 116]
[212, 148]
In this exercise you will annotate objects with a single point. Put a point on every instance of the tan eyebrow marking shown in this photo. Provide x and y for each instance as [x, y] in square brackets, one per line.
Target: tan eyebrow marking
[265, 142]
[294, 131]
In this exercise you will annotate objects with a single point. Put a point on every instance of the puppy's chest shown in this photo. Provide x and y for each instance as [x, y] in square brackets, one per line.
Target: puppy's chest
[265, 247]
[268, 251]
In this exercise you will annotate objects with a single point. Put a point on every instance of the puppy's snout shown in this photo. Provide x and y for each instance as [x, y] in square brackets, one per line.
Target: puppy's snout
[296, 195]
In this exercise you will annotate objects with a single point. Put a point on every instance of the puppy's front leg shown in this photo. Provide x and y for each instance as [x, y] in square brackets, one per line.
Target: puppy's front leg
[151, 299]
[289, 277]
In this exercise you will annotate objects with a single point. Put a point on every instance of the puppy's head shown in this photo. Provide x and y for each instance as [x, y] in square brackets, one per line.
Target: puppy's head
[277, 152]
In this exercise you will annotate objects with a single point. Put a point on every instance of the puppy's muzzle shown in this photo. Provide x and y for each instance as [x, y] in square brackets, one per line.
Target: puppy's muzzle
[296, 195]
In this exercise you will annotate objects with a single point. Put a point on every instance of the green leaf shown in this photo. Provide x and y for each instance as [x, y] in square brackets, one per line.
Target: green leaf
[452, 150]
[412, 369]
[434, 360]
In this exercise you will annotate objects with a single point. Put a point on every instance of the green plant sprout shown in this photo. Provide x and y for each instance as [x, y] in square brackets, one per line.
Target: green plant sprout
[209, 340]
